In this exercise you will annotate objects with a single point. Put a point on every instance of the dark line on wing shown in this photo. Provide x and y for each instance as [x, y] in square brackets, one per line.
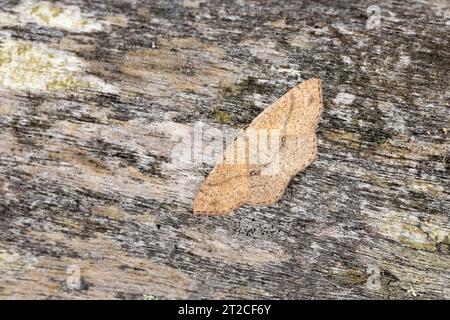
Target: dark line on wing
[291, 107]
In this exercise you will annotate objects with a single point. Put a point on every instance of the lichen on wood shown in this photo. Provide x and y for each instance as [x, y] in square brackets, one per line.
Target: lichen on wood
[97, 95]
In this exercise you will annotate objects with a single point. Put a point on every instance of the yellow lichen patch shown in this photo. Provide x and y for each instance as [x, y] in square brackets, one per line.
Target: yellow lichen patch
[414, 233]
[437, 229]
[416, 242]
[221, 116]
[55, 15]
[440, 236]
[416, 238]
[34, 67]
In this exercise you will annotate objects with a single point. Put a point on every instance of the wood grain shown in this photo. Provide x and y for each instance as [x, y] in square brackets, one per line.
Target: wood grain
[95, 204]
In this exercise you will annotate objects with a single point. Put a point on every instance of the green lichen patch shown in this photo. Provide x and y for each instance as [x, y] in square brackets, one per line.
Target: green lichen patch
[416, 238]
[56, 15]
[33, 67]
[220, 116]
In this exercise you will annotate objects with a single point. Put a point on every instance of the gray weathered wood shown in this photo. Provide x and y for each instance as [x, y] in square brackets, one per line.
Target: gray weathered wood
[91, 104]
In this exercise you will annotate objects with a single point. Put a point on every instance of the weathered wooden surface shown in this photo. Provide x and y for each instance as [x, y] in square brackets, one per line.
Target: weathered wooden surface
[92, 100]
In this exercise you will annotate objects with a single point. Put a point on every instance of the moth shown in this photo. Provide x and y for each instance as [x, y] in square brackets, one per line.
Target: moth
[258, 166]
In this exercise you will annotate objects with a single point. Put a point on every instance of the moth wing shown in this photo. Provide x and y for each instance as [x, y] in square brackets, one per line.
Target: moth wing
[292, 120]
[307, 108]
[227, 187]
[300, 147]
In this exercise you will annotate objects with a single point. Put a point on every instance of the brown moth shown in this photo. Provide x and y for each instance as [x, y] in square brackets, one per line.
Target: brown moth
[257, 167]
